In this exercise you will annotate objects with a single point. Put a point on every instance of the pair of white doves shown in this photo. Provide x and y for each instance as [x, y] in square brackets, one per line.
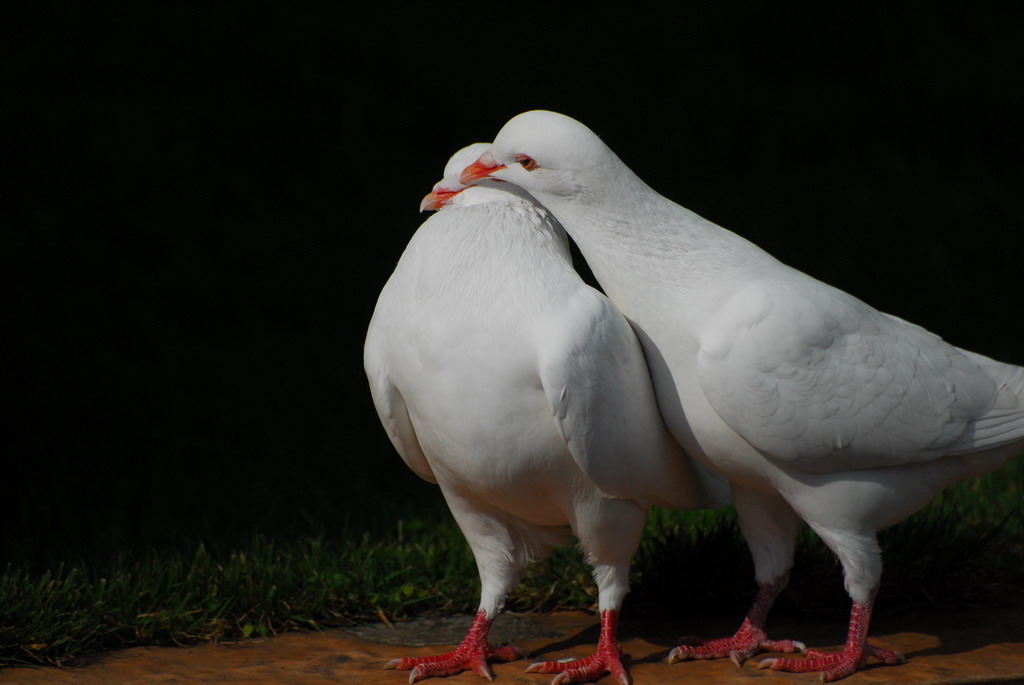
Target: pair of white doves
[710, 372]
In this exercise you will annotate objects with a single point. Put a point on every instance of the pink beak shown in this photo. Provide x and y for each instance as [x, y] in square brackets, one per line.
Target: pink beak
[481, 168]
[436, 199]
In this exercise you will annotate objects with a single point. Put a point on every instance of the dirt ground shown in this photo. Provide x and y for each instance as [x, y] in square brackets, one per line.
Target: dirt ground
[962, 647]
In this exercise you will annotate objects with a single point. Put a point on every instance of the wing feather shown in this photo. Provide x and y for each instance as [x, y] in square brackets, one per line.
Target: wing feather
[596, 380]
[391, 407]
[814, 377]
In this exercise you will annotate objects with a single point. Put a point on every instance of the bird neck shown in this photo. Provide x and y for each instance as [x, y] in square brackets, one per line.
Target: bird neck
[483, 252]
[640, 242]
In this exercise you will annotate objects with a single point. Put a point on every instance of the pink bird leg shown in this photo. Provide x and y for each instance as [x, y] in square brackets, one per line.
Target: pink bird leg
[473, 653]
[607, 658]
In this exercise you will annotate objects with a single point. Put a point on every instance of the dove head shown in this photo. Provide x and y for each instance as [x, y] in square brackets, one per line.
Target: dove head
[450, 186]
[452, 191]
[549, 154]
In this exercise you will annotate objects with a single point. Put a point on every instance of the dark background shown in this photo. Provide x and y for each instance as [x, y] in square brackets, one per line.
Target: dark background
[199, 207]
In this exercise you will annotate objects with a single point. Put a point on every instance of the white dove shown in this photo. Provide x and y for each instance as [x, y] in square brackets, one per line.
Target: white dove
[813, 404]
[522, 392]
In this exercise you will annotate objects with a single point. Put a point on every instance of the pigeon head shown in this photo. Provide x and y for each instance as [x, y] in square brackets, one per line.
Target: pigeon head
[451, 191]
[546, 153]
[445, 190]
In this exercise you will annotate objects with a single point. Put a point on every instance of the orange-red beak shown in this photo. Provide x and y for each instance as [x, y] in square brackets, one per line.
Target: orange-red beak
[481, 168]
[436, 199]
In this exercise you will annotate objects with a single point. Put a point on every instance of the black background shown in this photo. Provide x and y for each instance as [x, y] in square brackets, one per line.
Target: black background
[199, 207]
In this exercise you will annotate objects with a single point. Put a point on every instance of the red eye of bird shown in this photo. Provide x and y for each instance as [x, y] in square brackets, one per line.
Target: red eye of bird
[526, 162]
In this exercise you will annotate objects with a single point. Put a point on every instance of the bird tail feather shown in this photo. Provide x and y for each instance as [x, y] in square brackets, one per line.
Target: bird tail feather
[1001, 429]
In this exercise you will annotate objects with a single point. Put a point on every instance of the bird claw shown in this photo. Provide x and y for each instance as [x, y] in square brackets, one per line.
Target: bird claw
[484, 670]
[787, 646]
[833, 665]
[888, 656]
[540, 666]
[565, 679]
[430, 670]
[583, 670]
[456, 661]
[738, 648]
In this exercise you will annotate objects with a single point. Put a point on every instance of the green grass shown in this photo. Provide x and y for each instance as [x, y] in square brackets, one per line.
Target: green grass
[967, 548]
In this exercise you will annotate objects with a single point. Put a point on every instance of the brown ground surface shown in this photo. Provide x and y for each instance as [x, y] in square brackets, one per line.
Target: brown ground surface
[962, 647]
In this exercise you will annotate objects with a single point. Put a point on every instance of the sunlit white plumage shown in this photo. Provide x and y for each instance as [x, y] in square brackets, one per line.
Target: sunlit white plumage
[814, 405]
[523, 393]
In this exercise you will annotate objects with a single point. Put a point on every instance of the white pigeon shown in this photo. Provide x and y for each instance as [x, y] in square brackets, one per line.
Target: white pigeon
[813, 404]
[522, 392]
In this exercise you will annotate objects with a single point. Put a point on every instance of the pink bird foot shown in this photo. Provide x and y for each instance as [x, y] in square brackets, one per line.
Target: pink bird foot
[836, 665]
[747, 642]
[473, 653]
[607, 658]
